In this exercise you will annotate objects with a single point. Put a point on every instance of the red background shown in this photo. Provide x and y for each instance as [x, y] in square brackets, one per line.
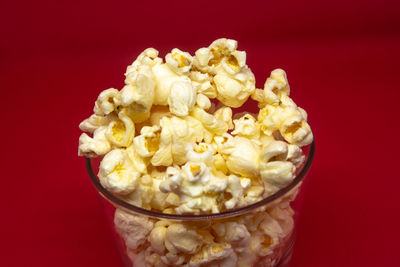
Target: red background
[342, 60]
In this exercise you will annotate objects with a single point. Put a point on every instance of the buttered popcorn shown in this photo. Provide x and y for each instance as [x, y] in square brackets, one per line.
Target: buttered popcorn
[169, 146]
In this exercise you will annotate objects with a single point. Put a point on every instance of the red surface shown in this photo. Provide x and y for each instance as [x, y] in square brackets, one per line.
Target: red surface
[342, 61]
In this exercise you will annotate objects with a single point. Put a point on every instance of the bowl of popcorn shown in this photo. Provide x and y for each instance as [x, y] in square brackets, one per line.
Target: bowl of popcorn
[186, 177]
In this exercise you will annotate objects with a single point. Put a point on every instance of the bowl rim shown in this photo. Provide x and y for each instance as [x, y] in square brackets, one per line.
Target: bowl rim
[226, 214]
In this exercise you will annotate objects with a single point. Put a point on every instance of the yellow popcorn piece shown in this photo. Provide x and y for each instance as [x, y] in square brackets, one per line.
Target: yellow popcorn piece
[294, 128]
[117, 173]
[179, 61]
[96, 146]
[148, 142]
[182, 98]
[163, 156]
[120, 132]
[107, 102]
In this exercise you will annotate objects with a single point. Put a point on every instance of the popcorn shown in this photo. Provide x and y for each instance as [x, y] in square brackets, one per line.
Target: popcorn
[279, 173]
[209, 121]
[96, 146]
[164, 78]
[148, 142]
[120, 132]
[93, 123]
[202, 152]
[132, 228]
[234, 92]
[117, 174]
[242, 156]
[168, 148]
[107, 102]
[203, 83]
[295, 155]
[172, 180]
[294, 128]
[225, 114]
[246, 126]
[179, 238]
[182, 98]
[275, 86]
[203, 101]
[179, 61]
[163, 156]
[233, 233]
[215, 254]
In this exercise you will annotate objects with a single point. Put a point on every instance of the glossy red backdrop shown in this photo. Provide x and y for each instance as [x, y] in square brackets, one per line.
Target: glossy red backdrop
[342, 60]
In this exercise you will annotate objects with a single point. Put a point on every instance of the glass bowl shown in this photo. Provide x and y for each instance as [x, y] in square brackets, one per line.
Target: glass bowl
[260, 234]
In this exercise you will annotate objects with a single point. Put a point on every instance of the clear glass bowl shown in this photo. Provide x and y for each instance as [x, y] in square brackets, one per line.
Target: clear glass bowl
[260, 234]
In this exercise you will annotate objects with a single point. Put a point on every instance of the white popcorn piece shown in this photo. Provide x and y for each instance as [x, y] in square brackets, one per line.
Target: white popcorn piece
[295, 155]
[178, 238]
[182, 98]
[93, 123]
[120, 131]
[225, 114]
[209, 121]
[246, 126]
[179, 61]
[172, 180]
[139, 163]
[279, 173]
[236, 191]
[202, 152]
[107, 102]
[203, 83]
[203, 102]
[276, 86]
[274, 151]
[132, 228]
[215, 254]
[197, 205]
[148, 142]
[143, 194]
[149, 57]
[195, 171]
[117, 173]
[139, 95]
[242, 156]
[234, 92]
[96, 146]
[164, 77]
[233, 233]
